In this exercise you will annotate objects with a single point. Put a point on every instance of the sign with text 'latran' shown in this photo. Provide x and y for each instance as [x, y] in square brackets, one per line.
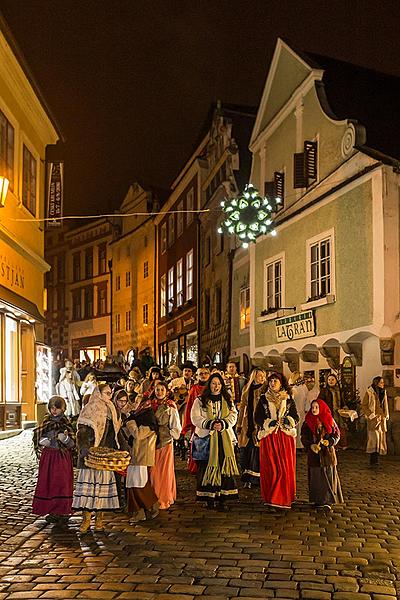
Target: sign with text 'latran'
[295, 327]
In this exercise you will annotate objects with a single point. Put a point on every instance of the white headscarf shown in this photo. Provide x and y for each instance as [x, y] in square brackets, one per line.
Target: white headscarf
[94, 415]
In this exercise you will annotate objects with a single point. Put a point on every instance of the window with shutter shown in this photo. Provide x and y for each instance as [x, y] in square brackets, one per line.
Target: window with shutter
[279, 182]
[310, 161]
[299, 178]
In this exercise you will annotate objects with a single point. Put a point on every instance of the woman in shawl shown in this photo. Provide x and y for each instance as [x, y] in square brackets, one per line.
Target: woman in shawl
[98, 426]
[140, 431]
[276, 416]
[162, 475]
[331, 394]
[319, 436]
[53, 442]
[375, 407]
[246, 429]
[214, 415]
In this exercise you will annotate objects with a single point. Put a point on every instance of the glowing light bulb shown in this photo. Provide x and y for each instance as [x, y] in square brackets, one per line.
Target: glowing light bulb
[273, 232]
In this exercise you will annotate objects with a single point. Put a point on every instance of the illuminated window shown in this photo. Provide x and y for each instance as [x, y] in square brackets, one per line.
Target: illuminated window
[128, 320]
[244, 308]
[29, 175]
[179, 282]
[6, 149]
[163, 295]
[145, 314]
[189, 275]
[170, 289]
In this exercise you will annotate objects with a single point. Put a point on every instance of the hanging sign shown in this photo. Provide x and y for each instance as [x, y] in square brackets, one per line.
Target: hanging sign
[295, 327]
[55, 192]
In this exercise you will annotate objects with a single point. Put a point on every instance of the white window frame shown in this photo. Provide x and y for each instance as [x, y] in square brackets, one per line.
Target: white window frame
[267, 263]
[331, 296]
[179, 282]
[170, 288]
[190, 206]
[163, 295]
[189, 275]
[163, 237]
[145, 314]
[180, 219]
[171, 230]
[243, 291]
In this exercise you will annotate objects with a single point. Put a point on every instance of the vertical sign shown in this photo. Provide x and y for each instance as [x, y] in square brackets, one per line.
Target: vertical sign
[55, 192]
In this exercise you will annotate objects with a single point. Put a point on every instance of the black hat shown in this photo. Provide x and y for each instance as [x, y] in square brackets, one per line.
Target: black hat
[189, 365]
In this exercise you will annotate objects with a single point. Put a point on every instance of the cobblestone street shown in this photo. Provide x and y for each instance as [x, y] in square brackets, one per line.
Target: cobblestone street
[351, 553]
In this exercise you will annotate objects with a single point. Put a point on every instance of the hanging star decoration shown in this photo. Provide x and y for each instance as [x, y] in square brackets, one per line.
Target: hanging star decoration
[249, 215]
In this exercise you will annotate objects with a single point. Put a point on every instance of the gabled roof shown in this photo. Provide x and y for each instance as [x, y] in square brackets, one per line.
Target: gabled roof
[368, 98]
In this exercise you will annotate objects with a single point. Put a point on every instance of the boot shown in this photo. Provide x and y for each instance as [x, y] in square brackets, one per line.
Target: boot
[85, 521]
[98, 524]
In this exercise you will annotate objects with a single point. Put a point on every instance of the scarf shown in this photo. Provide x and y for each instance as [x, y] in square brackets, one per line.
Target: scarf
[213, 472]
[94, 415]
[276, 397]
[324, 418]
[59, 424]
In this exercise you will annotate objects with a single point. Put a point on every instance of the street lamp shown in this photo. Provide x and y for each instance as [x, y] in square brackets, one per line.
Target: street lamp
[4, 183]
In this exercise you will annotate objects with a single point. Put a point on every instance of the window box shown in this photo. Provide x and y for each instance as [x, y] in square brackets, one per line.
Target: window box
[311, 303]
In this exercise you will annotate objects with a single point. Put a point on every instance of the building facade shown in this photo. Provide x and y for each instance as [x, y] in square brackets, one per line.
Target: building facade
[26, 129]
[57, 314]
[88, 290]
[178, 273]
[326, 288]
[228, 161]
[133, 267]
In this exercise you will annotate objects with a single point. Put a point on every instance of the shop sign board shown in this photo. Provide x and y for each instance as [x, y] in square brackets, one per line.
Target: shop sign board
[55, 192]
[295, 327]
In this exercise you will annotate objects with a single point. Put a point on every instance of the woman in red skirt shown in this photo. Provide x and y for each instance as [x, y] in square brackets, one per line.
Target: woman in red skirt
[276, 417]
[53, 441]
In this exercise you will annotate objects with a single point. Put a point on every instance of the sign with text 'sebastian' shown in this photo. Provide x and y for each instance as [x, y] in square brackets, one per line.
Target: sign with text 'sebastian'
[294, 327]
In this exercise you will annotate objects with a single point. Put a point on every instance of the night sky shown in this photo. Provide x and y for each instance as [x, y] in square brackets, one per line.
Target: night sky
[131, 82]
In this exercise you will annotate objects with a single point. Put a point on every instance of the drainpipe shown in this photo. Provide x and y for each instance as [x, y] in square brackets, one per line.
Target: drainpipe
[156, 355]
[111, 305]
[198, 291]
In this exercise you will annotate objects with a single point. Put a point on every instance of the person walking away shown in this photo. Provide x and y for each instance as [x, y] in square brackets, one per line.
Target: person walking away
[332, 395]
[375, 408]
[319, 435]
[299, 391]
[53, 443]
[162, 475]
[140, 431]
[98, 426]
[214, 415]
[248, 443]
[276, 416]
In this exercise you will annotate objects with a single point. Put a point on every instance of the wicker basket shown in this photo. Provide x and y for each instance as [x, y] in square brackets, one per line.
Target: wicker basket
[106, 459]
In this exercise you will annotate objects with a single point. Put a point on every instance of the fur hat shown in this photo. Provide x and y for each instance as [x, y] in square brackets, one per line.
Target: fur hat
[58, 402]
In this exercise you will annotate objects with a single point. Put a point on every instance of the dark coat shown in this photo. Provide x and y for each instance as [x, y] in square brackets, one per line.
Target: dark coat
[327, 455]
[85, 440]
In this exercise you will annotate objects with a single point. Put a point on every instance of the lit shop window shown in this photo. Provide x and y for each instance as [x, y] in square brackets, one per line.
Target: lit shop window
[244, 308]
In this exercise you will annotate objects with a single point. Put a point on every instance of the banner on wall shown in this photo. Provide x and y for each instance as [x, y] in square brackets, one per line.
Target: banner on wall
[55, 193]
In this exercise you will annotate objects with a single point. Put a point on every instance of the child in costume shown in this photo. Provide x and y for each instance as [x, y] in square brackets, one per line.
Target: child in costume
[53, 441]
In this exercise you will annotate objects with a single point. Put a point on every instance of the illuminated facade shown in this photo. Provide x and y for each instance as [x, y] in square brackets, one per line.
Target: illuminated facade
[26, 129]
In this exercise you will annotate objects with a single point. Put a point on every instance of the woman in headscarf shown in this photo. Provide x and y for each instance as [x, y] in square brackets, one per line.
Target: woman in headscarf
[247, 430]
[214, 415]
[162, 475]
[375, 407]
[98, 426]
[276, 417]
[140, 431]
[332, 396]
[319, 435]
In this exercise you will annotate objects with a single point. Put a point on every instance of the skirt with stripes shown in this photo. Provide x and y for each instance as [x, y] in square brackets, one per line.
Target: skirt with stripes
[95, 490]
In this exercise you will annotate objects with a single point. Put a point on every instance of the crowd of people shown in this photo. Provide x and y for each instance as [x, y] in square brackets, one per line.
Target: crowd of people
[224, 426]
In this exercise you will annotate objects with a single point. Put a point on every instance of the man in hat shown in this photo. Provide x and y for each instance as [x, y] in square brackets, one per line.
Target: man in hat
[234, 382]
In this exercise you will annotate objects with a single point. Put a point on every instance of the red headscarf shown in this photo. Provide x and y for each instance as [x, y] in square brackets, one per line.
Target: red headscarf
[324, 418]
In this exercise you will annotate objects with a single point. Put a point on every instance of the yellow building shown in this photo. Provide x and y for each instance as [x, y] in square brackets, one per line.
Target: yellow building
[26, 129]
[133, 275]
